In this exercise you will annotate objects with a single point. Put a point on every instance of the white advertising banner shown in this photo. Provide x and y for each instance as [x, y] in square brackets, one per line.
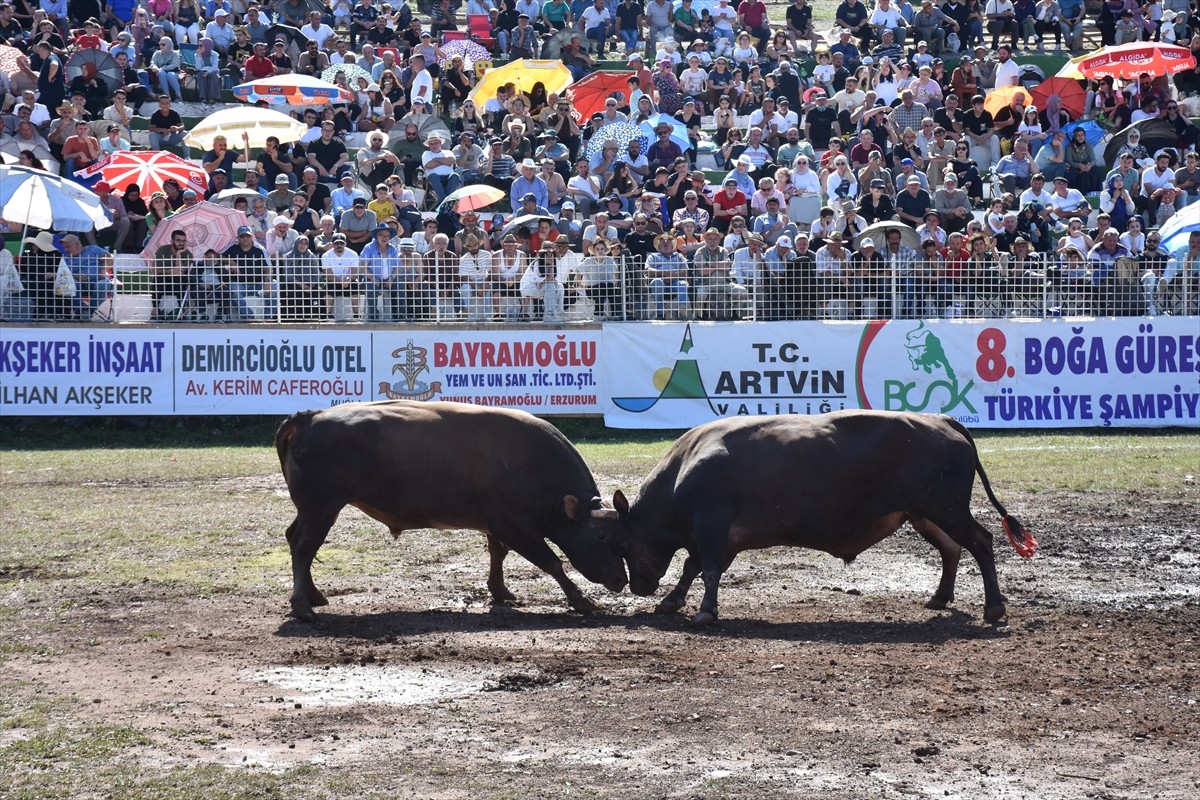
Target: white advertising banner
[677, 376]
[270, 370]
[988, 374]
[1142, 372]
[539, 371]
[83, 371]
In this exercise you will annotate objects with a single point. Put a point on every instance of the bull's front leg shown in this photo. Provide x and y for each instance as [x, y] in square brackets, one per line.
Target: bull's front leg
[711, 527]
[538, 553]
[501, 596]
[678, 596]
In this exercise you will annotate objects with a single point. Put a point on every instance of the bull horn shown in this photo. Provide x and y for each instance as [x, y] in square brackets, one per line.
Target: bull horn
[604, 513]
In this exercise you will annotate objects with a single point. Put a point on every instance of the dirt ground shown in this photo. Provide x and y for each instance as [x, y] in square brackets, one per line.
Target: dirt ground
[820, 680]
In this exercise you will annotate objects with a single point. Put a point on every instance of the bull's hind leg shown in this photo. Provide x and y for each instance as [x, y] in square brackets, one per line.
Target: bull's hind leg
[950, 552]
[977, 540]
[501, 596]
[305, 536]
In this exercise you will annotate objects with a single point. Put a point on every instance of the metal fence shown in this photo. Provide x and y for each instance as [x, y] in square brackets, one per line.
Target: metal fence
[587, 290]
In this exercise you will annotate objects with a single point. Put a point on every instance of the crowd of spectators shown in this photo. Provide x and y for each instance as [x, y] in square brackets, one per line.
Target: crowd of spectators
[812, 136]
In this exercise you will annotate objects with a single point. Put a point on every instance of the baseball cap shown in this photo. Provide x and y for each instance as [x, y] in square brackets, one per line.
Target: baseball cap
[281, 179]
[785, 241]
[244, 230]
[567, 205]
[867, 242]
[360, 201]
[529, 197]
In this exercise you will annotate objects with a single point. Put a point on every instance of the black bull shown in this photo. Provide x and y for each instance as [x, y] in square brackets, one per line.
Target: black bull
[839, 483]
[447, 465]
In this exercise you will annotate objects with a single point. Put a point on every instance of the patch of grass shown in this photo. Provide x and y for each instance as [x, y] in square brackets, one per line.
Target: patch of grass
[63, 748]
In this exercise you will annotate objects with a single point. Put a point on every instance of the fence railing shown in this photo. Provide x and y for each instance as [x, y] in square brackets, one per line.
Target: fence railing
[591, 290]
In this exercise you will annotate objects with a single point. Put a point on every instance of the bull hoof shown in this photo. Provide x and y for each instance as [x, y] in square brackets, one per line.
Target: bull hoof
[937, 603]
[668, 605]
[704, 618]
[303, 612]
[583, 605]
[994, 613]
[503, 597]
[316, 597]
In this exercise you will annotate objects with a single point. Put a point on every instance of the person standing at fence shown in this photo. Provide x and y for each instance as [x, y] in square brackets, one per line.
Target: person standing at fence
[667, 269]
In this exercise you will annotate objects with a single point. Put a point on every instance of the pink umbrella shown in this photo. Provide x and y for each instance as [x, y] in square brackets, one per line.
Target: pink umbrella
[470, 52]
[8, 59]
[207, 225]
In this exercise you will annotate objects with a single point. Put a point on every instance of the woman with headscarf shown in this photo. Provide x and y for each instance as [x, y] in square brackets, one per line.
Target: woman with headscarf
[208, 72]
[1116, 201]
[669, 98]
[1082, 169]
[168, 63]
[1053, 116]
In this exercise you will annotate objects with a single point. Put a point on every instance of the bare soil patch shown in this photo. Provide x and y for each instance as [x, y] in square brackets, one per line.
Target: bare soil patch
[820, 680]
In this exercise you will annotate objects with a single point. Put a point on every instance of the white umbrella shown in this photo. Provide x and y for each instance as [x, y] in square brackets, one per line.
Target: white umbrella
[44, 200]
[258, 122]
[225, 197]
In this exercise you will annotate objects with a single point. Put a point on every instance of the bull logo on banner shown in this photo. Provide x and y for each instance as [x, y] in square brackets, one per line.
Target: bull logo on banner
[931, 385]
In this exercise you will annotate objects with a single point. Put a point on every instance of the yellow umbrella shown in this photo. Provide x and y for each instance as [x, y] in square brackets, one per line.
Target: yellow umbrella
[523, 72]
[258, 122]
[998, 99]
[1071, 68]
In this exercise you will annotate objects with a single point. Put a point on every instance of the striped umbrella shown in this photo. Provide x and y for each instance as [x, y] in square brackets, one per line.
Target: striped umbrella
[34, 197]
[259, 123]
[469, 51]
[148, 169]
[291, 90]
[622, 133]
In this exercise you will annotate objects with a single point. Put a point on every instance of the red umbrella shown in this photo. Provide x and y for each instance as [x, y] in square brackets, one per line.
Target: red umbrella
[207, 225]
[1131, 60]
[1071, 96]
[149, 169]
[590, 93]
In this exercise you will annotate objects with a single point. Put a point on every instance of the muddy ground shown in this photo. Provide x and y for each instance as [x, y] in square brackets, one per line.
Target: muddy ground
[820, 680]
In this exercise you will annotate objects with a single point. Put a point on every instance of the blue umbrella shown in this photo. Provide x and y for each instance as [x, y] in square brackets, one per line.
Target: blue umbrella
[42, 199]
[1094, 131]
[621, 132]
[1179, 227]
[679, 133]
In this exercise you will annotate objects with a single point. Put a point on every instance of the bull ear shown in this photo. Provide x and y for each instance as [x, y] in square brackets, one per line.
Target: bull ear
[572, 506]
[620, 503]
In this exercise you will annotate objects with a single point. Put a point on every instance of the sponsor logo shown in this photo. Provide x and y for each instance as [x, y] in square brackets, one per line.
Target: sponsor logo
[411, 362]
[930, 383]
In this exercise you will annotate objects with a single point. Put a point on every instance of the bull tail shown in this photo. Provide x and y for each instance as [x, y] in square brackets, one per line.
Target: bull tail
[284, 436]
[1022, 540]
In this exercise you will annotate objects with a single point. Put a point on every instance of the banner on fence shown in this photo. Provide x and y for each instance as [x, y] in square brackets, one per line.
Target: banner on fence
[988, 374]
[540, 371]
[47, 371]
[677, 376]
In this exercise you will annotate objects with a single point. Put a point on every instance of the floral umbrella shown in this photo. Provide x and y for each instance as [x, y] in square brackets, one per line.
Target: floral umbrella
[468, 50]
[352, 71]
[8, 59]
[622, 133]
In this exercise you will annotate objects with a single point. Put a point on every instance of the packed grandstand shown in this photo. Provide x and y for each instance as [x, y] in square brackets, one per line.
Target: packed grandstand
[560, 161]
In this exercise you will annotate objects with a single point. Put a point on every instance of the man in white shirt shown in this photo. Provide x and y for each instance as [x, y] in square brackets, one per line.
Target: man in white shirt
[583, 188]
[764, 119]
[39, 115]
[474, 271]
[1037, 193]
[317, 31]
[785, 117]
[422, 82]
[596, 24]
[439, 167]
[885, 17]
[639, 167]
[1067, 202]
[1008, 72]
[1156, 179]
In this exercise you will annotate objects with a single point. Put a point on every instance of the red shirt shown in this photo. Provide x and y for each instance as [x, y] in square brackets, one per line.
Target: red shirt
[754, 13]
[723, 202]
[259, 68]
